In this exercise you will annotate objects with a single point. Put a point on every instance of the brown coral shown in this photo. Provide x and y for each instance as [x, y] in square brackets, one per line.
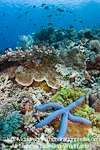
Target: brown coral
[40, 73]
[24, 79]
[18, 55]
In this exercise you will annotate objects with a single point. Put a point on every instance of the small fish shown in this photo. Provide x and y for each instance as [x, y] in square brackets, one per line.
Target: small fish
[47, 7]
[50, 16]
[19, 16]
[26, 12]
[43, 4]
[75, 20]
[60, 10]
[34, 6]
[49, 24]
[3, 14]
[20, 9]
[70, 12]
[71, 26]
[34, 24]
[94, 26]
[66, 10]
[81, 21]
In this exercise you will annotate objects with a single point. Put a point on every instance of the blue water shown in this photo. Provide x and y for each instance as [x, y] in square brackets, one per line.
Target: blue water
[19, 17]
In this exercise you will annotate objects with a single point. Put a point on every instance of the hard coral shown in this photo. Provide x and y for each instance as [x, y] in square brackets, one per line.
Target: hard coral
[24, 78]
[94, 45]
[19, 54]
[67, 95]
[94, 98]
[5, 110]
[11, 125]
[74, 57]
[39, 73]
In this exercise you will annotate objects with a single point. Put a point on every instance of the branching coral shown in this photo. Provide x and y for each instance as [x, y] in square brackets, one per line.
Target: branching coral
[28, 54]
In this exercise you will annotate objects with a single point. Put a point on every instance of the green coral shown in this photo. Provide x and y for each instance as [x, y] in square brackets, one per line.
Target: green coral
[88, 113]
[68, 95]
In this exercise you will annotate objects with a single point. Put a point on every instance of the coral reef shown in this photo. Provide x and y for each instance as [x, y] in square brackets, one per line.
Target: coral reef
[58, 66]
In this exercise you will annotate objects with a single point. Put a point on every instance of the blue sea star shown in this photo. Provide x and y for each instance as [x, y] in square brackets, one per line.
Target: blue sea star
[66, 115]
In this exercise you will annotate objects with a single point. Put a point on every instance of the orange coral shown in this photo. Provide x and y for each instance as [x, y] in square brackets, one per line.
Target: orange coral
[75, 129]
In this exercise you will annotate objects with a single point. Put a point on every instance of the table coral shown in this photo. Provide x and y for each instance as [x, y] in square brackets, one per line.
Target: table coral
[66, 115]
[39, 73]
[24, 79]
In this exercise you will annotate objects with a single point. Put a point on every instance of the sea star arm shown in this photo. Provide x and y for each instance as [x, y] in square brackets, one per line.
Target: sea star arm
[76, 103]
[46, 106]
[48, 119]
[78, 119]
[63, 126]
